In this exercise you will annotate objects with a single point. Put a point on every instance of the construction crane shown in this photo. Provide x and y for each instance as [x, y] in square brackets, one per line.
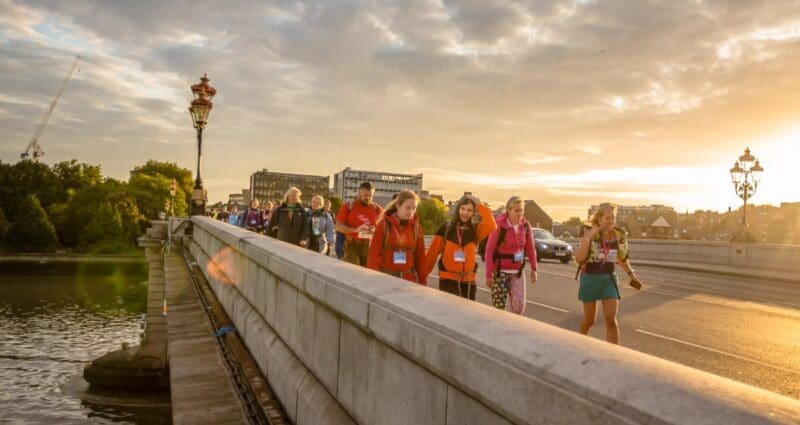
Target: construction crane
[34, 151]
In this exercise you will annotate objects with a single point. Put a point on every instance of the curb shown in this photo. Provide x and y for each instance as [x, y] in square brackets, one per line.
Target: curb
[700, 268]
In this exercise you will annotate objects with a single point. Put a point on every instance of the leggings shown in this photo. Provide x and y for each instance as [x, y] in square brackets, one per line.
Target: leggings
[516, 292]
[463, 289]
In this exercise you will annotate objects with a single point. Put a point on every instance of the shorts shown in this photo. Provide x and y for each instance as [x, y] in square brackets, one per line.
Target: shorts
[596, 287]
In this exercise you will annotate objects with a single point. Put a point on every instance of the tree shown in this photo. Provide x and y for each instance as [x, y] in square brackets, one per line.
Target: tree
[151, 193]
[105, 233]
[168, 170]
[336, 203]
[74, 176]
[431, 214]
[573, 221]
[31, 231]
[3, 226]
[24, 178]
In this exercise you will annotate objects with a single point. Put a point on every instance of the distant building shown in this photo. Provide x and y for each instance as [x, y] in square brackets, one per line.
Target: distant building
[425, 194]
[271, 186]
[566, 231]
[647, 222]
[536, 216]
[247, 195]
[346, 182]
[236, 199]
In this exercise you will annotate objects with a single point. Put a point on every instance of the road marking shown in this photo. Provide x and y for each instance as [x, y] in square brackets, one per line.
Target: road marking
[528, 301]
[717, 351]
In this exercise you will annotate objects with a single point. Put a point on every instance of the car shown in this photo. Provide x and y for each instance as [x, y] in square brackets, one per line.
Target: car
[549, 246]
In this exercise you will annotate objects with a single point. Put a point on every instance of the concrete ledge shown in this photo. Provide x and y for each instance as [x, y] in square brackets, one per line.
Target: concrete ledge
[385, 351]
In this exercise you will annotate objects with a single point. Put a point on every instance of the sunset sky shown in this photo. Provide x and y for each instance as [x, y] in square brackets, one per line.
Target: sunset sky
[568, 103]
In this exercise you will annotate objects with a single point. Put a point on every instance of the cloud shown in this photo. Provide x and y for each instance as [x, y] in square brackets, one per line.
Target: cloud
[306, 86]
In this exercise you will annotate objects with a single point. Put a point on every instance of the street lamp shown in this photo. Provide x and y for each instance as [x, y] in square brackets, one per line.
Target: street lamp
[199, 109]
[745, 175]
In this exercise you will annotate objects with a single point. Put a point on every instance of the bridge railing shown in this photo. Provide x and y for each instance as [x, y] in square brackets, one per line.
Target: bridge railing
[341, 344]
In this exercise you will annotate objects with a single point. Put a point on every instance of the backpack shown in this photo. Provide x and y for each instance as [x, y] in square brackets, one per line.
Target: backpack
[500, 238]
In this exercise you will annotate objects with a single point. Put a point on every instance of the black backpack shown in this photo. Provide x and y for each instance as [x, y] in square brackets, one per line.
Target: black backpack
[482, 244]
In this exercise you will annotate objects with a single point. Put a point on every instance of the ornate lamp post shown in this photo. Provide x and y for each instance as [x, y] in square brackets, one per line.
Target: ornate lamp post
[199, 109]
[745, 175]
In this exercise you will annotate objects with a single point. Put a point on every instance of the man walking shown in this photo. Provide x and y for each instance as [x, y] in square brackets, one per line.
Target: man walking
[357, 221]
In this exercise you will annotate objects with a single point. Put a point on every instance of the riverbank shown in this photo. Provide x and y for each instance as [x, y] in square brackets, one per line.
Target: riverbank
[70, 258]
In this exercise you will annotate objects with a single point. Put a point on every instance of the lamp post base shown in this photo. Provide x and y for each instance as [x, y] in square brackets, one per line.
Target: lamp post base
[199, 201]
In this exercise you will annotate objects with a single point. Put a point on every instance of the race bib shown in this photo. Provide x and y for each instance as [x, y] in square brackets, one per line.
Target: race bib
[518, 256]
[399, 257]
[611, 257]
[459, 256]
[315, 226]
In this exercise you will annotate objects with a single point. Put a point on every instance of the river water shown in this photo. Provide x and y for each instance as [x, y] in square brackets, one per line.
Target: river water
[56, 317]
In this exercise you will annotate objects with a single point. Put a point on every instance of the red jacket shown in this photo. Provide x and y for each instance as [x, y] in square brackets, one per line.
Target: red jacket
[513, 242]
[443, 248]
[400, 239]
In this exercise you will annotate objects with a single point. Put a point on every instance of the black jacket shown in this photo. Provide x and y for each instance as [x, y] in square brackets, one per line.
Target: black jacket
[288, 230]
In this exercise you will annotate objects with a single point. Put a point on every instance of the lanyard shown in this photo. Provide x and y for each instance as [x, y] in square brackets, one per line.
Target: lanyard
[459, 235]
[400, 238]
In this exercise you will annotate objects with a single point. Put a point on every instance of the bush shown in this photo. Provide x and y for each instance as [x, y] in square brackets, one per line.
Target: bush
[431, 213]
[31, 231]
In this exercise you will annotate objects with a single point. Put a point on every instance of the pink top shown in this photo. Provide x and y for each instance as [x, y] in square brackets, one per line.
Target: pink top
[519, 241]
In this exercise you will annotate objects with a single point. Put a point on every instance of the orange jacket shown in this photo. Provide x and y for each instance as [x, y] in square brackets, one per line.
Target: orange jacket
[401, 239]
[444, 247]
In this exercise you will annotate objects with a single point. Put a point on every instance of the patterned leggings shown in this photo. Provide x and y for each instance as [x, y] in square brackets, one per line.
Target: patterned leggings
[516, 292]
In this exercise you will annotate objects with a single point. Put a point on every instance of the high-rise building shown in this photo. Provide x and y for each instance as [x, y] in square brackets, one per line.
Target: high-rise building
[346, 182]
[271, 186]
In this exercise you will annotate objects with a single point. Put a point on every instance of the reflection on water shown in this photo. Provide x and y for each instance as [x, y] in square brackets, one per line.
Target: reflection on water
[55, 318]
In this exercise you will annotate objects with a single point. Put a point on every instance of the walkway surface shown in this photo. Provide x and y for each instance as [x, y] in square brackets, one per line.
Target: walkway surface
[201, 389]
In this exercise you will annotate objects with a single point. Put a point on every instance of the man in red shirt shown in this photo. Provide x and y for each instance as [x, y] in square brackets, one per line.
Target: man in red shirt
[357, 221]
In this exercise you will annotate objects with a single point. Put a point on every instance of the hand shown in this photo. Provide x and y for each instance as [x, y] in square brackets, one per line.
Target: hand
[534, 276]
[474, 199]
[489, 282]
[593, 231]
[303, 243]
[636, 283]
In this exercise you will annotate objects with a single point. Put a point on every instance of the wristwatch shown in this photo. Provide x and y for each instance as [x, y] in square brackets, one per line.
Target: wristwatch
[630, 273]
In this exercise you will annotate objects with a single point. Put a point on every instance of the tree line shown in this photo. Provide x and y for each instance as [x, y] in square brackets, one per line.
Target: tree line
[71, 206]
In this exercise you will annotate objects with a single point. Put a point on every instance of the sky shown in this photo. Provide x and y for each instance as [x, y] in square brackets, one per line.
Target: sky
[568, 103]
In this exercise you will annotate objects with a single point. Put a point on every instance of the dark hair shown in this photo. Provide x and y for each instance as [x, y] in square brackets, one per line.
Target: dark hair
[367, 186]
[456, 219]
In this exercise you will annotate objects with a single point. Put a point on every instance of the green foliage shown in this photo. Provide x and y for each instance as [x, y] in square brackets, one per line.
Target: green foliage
[104, 232]
[74, 176]
[573, 221]
[151, 193]
[86, 203]
[169, 170]
[431, 213]
[25, 178]
[336, 203]
[31, 231]
[3, 226]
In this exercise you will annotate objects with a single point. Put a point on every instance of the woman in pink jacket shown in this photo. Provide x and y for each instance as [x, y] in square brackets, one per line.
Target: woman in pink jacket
[507, 250]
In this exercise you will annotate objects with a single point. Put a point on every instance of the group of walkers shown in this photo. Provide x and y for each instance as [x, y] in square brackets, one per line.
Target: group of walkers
[392, 241]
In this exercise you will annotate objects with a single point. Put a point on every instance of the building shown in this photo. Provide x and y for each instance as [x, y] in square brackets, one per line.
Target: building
[346, 182]
[536, 216]
[236, 199]
[271, 186]
[247, 195]
[647, 222]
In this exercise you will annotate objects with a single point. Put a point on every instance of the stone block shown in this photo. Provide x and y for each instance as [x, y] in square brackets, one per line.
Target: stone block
[464, 410]
[259, 297]
[286, 314]
[378, 385]
[285, 374]
[315, 406]
[271, 298]
[325, 353]
[304, 328]
[291, 273]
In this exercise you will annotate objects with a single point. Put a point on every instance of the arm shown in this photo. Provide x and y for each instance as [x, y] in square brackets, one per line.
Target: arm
[491, 244]
[375, 247]
[305, 230]
[529, 249]
[626, 265]
[329, 235]
[435, 250]
[341, 220]
[487, 224]
[583, 249]
[420, 261]
[274, 220]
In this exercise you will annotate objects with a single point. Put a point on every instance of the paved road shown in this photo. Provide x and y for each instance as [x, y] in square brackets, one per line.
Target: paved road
[739, 328]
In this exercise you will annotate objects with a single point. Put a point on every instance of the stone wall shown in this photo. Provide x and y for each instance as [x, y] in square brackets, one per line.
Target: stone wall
[340, 344]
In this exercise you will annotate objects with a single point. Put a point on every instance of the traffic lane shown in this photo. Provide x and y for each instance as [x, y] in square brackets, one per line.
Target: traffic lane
[703, 335]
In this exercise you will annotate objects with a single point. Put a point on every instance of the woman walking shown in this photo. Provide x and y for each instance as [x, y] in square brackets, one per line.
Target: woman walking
[320, 226]
[454, 246]
[601, 248]
[507, 250]
[398, 244]
[289, 221]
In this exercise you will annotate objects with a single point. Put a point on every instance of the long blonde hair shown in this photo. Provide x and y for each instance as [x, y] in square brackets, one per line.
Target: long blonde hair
[403, 196]
[289, 192]
[602, 209]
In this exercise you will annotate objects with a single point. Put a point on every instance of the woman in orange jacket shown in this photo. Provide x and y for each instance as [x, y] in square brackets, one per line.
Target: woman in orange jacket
[398, 244]
[454, 246]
